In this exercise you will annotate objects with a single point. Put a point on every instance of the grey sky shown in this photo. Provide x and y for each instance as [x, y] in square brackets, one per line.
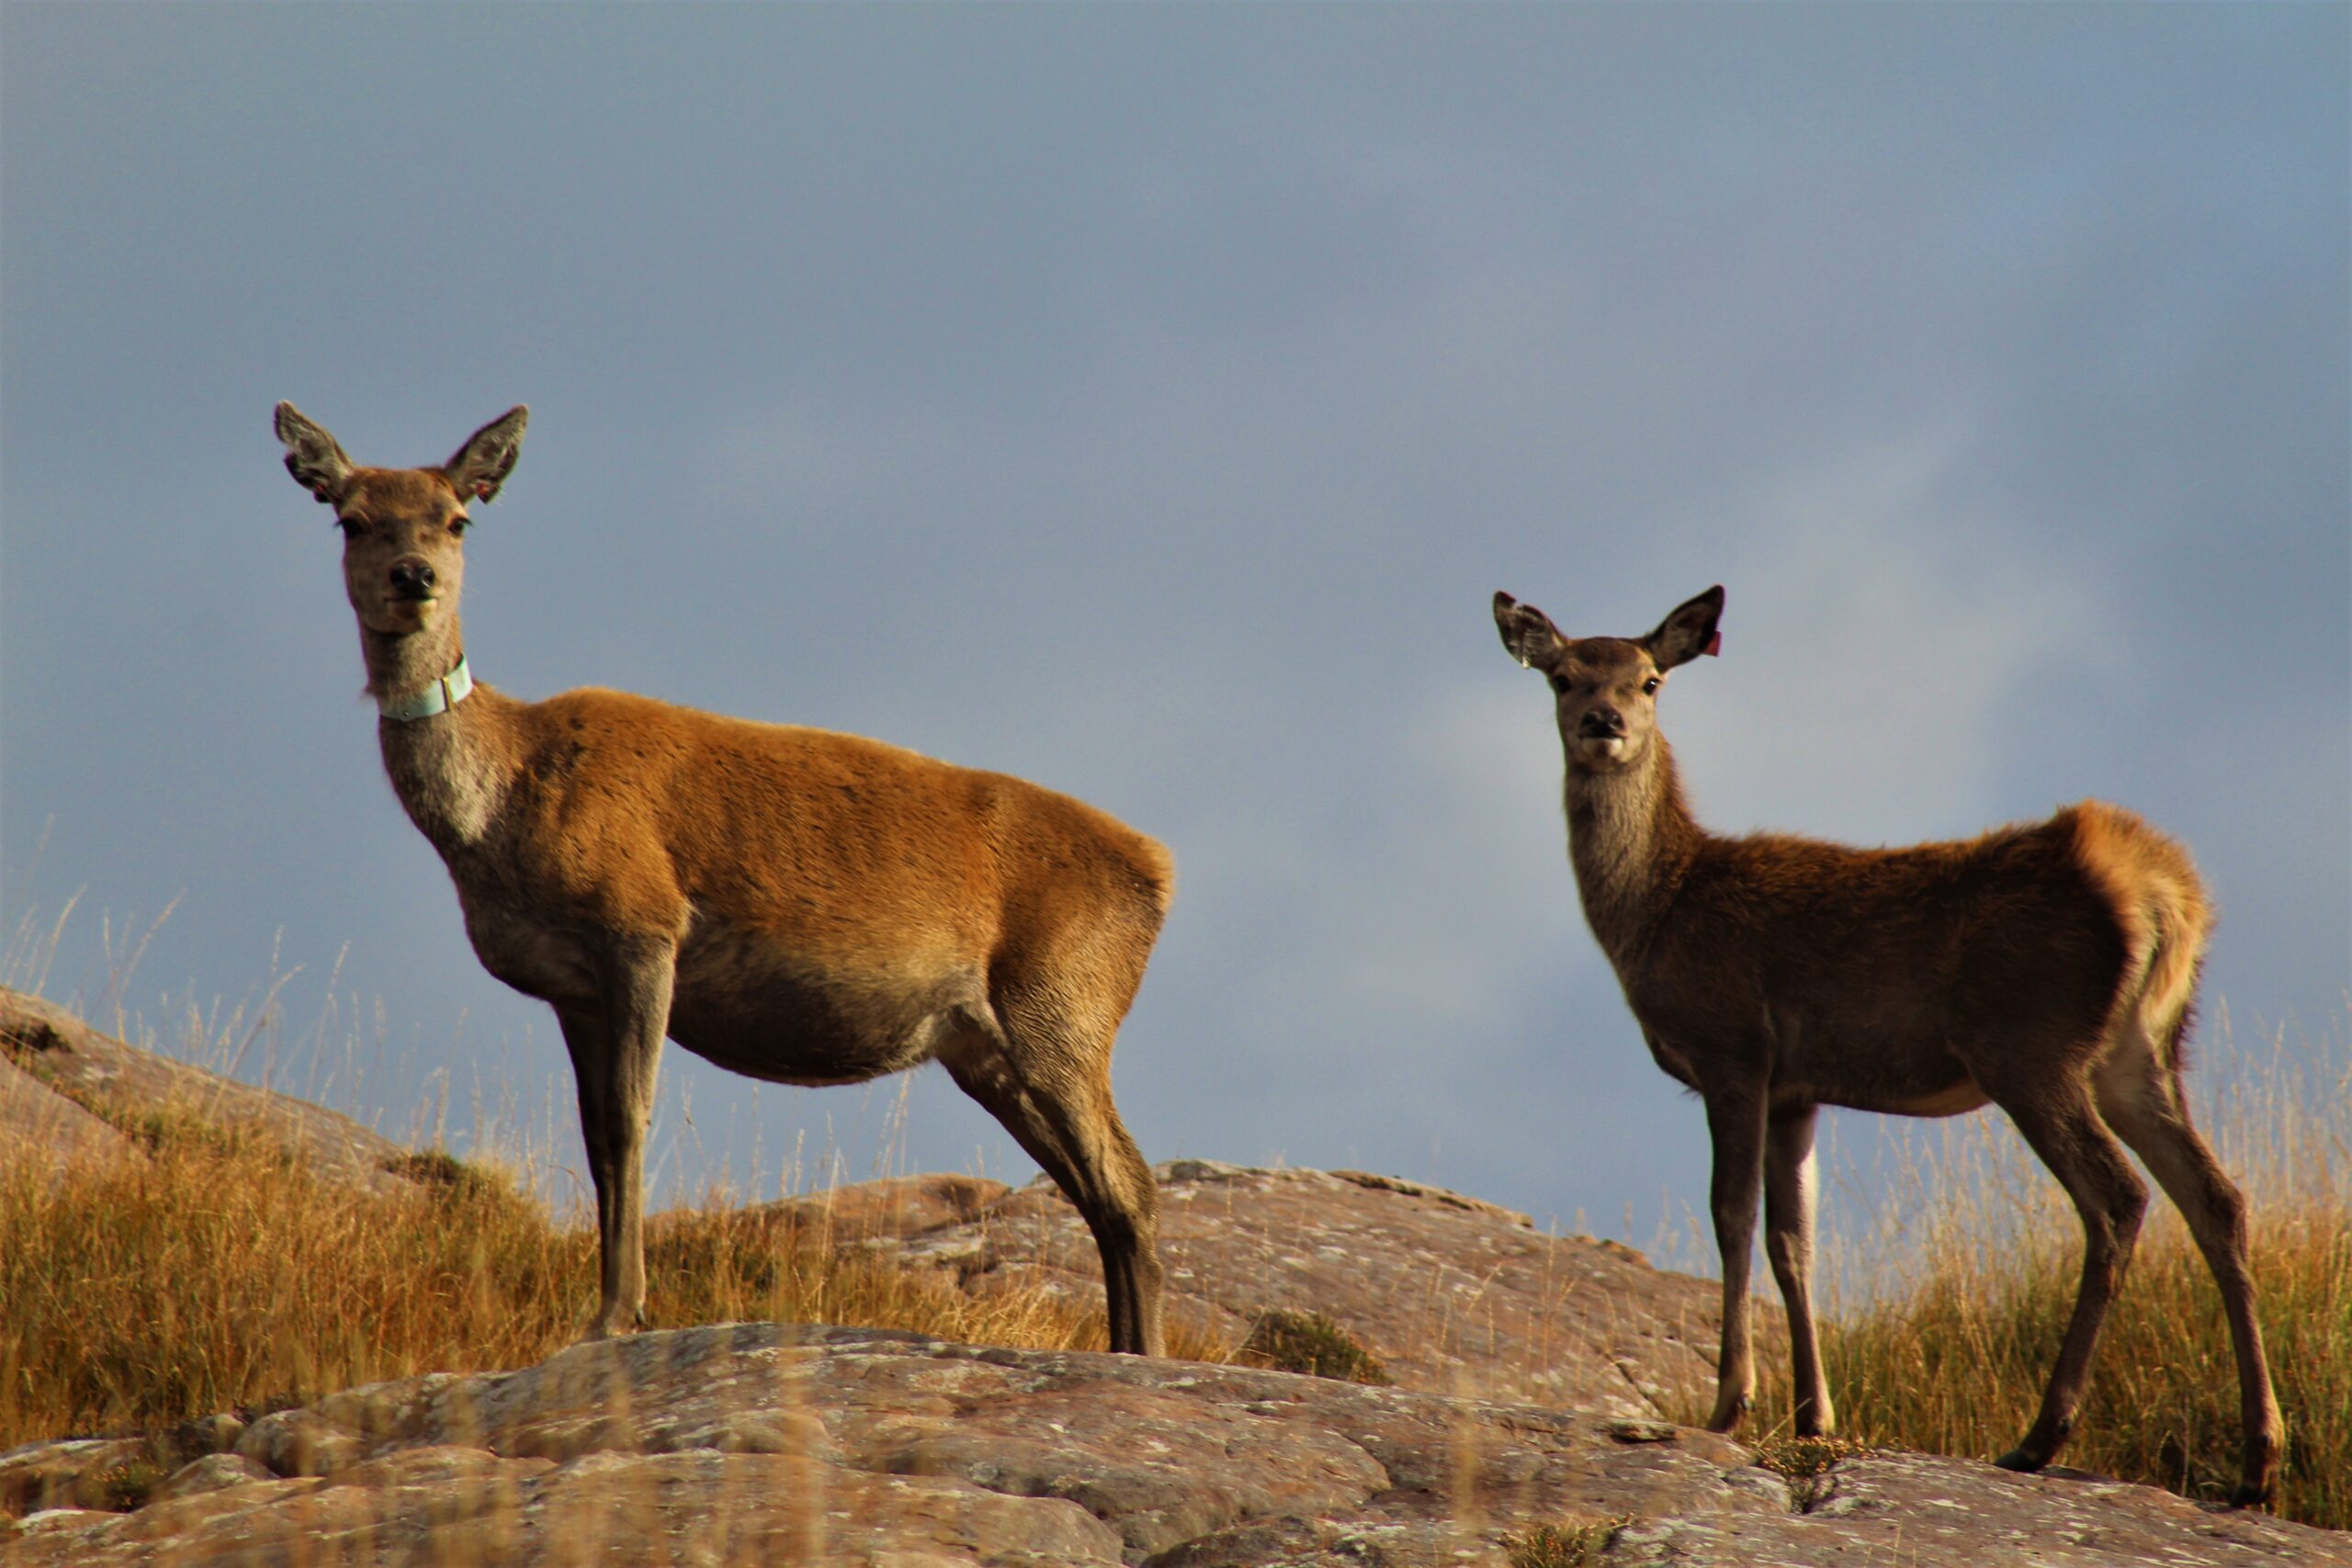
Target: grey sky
[1147, 401]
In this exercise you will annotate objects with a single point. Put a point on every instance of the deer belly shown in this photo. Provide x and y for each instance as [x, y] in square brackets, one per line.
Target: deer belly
[1902, 1082]
[1957, 1100]
[802, 1023]
[1883, 1053]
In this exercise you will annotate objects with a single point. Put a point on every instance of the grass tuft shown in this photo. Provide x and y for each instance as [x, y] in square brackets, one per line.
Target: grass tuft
[1806, 1464]
[1308, 1342]
[438, 1170]
[124, 1487]
[1578, 1544]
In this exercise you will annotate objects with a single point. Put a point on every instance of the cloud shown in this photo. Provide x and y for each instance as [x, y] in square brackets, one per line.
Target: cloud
[1895, 628]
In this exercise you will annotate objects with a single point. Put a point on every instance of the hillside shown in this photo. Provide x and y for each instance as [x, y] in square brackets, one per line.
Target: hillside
[1522, 1423]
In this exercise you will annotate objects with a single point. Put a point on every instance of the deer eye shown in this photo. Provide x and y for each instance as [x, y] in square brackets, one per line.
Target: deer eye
[458, 525]
[1562, 684]
[352, 527]
[1649, 687]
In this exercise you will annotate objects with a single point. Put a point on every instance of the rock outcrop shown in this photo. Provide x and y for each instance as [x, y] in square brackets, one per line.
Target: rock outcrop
[69, 1092]
[1456, 1297]
[761, 1443]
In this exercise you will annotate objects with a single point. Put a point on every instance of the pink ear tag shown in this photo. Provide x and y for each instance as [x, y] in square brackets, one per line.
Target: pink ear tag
[483, 490]
[1714, 643]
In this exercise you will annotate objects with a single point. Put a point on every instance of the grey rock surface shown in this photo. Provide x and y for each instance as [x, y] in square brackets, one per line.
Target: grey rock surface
[35, 1116]
[1455, 1295]
[760, 1443]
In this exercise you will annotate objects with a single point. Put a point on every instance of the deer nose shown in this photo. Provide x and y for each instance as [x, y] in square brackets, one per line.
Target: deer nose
[413, 579]
[1602, 722]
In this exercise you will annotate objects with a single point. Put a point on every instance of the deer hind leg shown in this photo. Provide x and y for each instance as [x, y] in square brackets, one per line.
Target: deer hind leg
[1788, 1243]
[1735, 1120]
[2061, 1125]
[1057, 1104]
[615, 1055]
[2140, 1096]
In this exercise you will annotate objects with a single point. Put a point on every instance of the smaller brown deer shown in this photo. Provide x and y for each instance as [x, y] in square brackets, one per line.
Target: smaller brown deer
[791, 903]
[2048, 969]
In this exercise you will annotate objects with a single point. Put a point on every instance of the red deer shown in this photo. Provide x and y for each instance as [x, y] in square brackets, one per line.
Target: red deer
[794, 905]
[2047, 968]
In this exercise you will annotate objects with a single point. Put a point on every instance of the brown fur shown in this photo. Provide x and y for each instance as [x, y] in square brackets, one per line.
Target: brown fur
[791, 903]
[2048, 968]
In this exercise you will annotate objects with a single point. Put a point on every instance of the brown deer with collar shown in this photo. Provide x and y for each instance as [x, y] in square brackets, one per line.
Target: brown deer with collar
[794, 905]
[2048, 969]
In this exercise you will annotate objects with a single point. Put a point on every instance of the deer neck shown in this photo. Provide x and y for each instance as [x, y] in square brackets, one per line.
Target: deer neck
[451, 770]
[1631, 838]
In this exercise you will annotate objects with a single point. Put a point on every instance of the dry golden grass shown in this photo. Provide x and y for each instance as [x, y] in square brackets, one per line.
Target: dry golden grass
[215, 1274]
[1960, 1290]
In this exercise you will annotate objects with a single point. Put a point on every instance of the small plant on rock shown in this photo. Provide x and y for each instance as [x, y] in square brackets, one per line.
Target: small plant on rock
[438, 1169]
[1308, 1342]
[1577, 1544]
[1805, 1463]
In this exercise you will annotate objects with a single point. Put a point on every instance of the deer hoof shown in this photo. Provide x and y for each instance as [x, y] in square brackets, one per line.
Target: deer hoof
[2020, 1461]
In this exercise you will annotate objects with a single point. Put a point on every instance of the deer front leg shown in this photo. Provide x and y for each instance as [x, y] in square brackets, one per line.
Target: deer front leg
[1788, 1243]
[1736, 1122]
[615, 1055]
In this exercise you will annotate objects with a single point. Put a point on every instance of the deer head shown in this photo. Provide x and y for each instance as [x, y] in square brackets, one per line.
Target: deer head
[403, 529]
[1606, 687]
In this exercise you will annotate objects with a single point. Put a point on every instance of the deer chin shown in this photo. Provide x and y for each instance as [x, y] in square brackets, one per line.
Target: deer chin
[1601, 754]
[400, 617]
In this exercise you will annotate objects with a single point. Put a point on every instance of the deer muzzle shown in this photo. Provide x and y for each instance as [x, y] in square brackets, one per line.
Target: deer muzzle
[412, 579]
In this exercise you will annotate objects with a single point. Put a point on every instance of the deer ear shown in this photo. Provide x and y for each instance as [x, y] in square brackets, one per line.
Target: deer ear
[1527, 633]
[1688, 632]
[482, 464]
[315, 459]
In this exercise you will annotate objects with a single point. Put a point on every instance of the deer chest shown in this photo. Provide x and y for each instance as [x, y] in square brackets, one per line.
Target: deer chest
[522, 948]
